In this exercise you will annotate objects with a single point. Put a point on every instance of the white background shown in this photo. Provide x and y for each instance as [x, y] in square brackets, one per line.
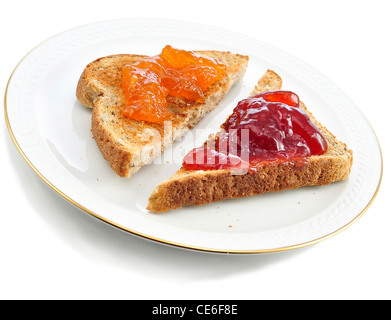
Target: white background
[51, 250]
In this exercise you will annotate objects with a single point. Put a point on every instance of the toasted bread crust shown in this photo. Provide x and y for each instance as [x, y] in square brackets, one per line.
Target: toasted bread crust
[201, 187]
[100, 78]
[128, 144]
[198, 188]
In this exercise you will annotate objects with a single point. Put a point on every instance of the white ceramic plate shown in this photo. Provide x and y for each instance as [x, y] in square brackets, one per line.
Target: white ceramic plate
[52, 132]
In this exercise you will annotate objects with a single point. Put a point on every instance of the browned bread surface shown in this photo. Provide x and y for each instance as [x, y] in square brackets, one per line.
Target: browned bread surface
[201, 187]
[128, 144]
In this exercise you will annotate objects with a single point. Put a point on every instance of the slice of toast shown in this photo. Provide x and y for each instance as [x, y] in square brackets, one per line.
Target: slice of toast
[128, 144]
[200, 187]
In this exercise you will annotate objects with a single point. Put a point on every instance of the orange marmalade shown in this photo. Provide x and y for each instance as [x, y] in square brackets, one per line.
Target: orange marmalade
[174, 72]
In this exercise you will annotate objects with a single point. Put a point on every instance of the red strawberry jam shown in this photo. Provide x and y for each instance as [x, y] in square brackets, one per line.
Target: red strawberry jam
[266, 128]
[212, 159]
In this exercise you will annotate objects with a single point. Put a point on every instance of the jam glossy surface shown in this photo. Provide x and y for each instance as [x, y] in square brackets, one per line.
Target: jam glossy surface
[265, 128]
[212, 159]
[178, 73]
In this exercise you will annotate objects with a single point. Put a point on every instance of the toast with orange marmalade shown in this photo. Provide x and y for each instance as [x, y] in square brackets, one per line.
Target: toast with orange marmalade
[133, 97]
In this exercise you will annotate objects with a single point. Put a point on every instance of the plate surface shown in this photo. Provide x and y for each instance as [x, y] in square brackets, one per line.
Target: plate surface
[51, 130]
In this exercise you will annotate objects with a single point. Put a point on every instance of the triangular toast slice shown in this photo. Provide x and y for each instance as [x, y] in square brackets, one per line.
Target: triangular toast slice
[128, 144]
[198, 187]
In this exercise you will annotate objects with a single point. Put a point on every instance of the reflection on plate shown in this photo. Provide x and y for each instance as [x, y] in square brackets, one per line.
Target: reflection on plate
[52, 132]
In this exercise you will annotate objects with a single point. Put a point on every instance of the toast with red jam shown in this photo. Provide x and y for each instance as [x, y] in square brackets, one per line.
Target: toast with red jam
[311, 155]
